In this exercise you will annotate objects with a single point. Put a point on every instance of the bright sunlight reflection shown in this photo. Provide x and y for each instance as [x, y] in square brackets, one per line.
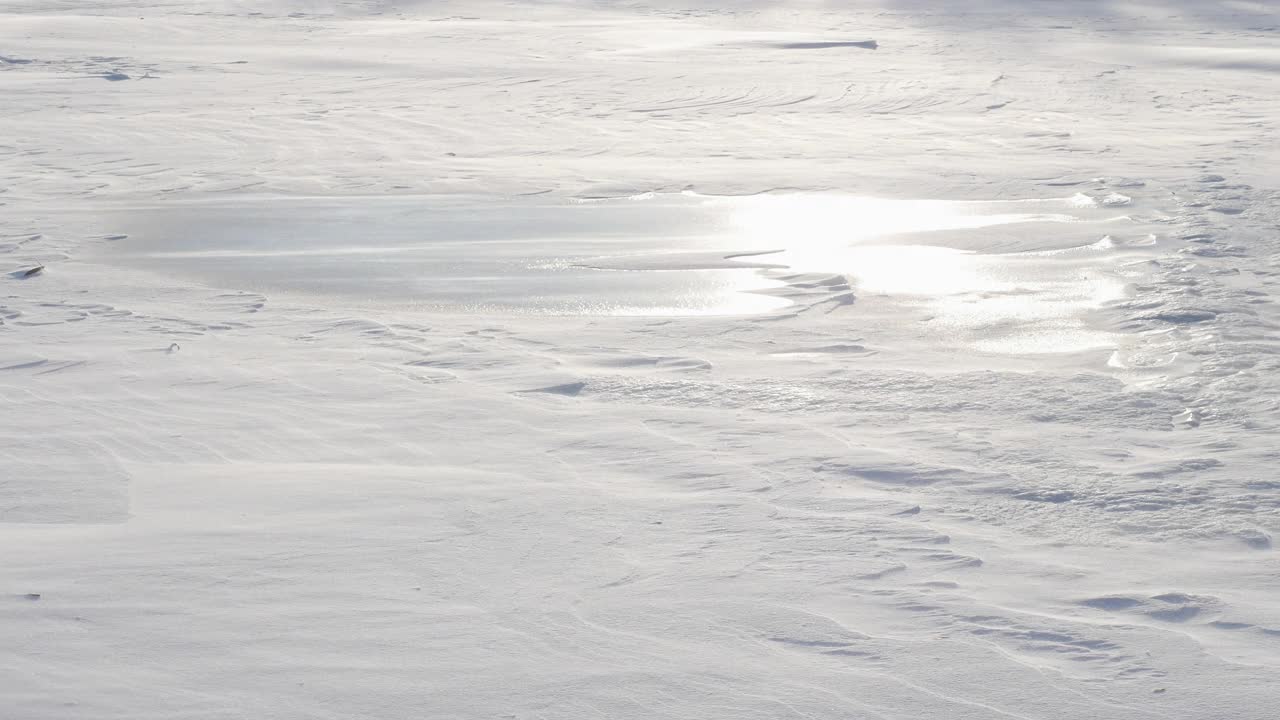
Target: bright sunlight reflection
[1030, 301]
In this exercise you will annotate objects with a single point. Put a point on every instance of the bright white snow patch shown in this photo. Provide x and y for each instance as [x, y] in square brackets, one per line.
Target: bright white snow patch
[882, 359]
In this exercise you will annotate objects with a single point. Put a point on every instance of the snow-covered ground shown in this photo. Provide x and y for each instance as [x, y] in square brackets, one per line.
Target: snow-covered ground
[880, 359]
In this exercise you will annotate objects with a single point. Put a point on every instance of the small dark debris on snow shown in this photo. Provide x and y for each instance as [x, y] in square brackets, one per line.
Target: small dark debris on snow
[31, 596]
[32, 272]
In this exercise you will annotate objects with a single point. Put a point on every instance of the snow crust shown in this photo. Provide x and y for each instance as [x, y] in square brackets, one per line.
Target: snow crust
[618, 360]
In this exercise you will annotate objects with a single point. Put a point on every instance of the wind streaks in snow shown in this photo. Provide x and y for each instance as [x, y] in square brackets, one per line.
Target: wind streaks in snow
[218, 499]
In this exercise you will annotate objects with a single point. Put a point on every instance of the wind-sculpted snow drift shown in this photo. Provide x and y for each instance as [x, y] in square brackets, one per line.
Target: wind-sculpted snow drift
[567, 360]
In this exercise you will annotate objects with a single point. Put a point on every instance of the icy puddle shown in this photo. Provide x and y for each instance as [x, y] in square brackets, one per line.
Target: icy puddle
[1014, 276]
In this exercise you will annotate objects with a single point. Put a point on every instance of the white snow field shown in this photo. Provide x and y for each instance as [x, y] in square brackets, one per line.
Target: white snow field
[880, 359]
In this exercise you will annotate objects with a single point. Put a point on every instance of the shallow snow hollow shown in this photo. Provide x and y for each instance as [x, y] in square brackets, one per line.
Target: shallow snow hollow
[1018, 275]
